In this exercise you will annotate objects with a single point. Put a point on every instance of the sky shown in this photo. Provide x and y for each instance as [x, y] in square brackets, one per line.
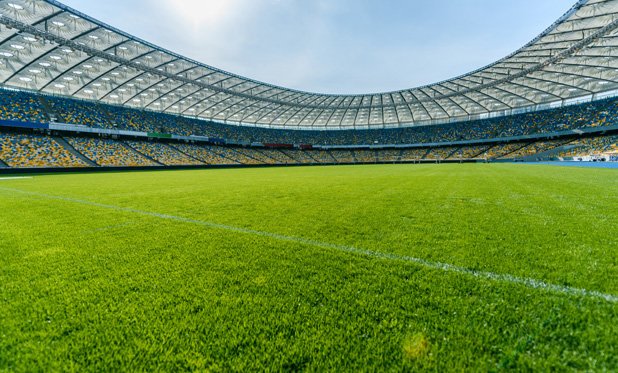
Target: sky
[335, 46]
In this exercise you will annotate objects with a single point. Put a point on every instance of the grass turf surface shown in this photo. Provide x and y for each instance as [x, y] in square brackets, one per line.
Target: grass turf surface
[92, 287]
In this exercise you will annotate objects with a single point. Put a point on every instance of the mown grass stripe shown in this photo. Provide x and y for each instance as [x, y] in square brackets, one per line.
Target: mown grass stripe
[527, 282]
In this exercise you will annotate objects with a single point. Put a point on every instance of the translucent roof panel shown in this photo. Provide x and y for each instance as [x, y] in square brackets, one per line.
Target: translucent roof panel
[48, 47]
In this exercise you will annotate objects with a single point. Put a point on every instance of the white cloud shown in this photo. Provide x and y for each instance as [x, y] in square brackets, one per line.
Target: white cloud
[207, 15]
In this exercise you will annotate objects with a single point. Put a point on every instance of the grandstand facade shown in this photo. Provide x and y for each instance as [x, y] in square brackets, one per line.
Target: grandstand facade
[75, 92]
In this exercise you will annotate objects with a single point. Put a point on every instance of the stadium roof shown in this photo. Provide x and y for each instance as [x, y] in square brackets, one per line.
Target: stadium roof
[48, 47]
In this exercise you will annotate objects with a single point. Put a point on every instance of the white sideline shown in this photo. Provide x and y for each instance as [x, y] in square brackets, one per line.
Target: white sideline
[14, 178]
[527, 282]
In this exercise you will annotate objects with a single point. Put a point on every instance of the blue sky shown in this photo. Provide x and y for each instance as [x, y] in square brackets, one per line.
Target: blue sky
[335, 46]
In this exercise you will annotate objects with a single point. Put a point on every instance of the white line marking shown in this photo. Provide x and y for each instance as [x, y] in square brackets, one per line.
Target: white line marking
[14, 178]
[527, 282]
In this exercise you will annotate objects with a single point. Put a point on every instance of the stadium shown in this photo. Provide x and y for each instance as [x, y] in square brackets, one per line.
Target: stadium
[159, 213]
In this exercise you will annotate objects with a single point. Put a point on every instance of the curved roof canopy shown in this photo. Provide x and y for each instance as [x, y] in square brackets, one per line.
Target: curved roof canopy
[48, 47]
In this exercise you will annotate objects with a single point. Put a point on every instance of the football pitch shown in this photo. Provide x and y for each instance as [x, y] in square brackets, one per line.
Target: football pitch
[348, 268]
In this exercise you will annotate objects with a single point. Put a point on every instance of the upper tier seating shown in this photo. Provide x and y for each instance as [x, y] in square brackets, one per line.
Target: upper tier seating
[20, 106]
[78, 112]
[29, 107]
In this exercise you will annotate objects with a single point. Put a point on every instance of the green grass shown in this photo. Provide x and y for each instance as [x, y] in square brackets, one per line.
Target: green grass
[93, 288]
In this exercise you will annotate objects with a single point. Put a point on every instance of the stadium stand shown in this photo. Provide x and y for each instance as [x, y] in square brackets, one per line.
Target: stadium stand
[533, 149]
[256, 155]
[163, 154]
[278, 156]
[19, 106]
[322, 156]
[249, 157]
[470, 152]
[408, 155]
[298, 156]
[78, 112]
[589, 115]
[206, 154]
[503, 151]
[342, 156]
[365, 156]
[109, 153]
[227, 154]
[33, 151]
[389, 155]
[440, 154]
[591, 146]
[25, 106]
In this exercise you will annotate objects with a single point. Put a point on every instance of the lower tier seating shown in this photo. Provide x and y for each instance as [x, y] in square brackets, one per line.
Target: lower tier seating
[163, 154]
[206, 154]
[35, 150]
[591, 147]
[109, 153]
